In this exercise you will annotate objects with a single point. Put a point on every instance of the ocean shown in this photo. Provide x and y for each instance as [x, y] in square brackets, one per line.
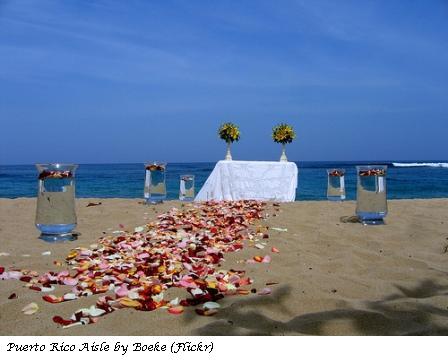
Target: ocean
[405, 180]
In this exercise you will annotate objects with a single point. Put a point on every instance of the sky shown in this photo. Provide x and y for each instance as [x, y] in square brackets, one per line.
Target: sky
[132, 81]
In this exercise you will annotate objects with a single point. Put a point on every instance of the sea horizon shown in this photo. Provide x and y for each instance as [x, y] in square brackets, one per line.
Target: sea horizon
[385, 161]
[407, 179]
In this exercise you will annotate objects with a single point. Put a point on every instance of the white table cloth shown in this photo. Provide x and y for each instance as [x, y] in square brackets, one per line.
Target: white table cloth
[259, 180]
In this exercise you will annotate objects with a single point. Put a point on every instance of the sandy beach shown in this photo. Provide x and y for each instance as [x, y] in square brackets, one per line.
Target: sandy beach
[333, 278]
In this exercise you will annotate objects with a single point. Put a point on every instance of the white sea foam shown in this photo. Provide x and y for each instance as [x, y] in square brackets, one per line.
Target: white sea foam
[420, 165]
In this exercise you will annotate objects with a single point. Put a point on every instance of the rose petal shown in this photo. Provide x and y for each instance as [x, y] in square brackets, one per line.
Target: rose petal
[79, 323]
[30, 309]
[59, 320]
[211, 305]
[134, 295]
[245, 281]
[275, 250]
[128, 303]
[13, 275]
[243, 292]
[156, 289]
[122, 291]
[72, 255]
[158, 300]
[177, 310]
[197, 292]
[279, 229]
[69, 281]
[174, 301]
[267, 259]
[143, 256]
[52, 299]
[95, 312]
[69, 297]
[47, 289]
[265, 291]
[63, 274]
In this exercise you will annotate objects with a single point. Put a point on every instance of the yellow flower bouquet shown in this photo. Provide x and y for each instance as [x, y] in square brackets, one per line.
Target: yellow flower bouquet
[230, 133]
[283, 134]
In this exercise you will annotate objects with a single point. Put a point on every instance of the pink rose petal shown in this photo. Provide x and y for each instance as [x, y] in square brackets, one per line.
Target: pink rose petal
[122, 291]
[69, 281]
[267, 259]
[142, 256]
[265, 291]
[11, 275]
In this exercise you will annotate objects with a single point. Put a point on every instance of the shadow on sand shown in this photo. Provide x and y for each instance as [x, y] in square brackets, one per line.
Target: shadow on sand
[405, 313]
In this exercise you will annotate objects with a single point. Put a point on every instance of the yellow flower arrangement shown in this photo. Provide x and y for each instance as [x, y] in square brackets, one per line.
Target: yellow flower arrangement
[283, 134]
[229, 132]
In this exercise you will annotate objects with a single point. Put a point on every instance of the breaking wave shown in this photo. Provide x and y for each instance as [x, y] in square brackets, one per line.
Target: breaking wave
[420, 165]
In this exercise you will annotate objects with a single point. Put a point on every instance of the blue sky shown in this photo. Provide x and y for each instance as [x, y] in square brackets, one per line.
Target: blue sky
[128, 81]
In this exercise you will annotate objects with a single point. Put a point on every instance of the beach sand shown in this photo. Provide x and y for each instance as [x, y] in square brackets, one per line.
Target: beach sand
[333, 278]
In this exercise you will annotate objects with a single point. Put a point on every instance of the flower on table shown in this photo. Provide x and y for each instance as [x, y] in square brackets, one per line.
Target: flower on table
[283, 134]
[229, 132]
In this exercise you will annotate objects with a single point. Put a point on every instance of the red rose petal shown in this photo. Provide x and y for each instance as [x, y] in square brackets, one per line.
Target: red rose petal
[52, 299]
[59, 320]
[177, 310]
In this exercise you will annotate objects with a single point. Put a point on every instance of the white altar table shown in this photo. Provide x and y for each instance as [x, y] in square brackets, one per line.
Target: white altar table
[259, 180]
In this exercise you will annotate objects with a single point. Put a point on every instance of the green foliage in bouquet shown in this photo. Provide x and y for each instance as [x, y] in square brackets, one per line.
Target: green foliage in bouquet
[229, 132]
[283, 134]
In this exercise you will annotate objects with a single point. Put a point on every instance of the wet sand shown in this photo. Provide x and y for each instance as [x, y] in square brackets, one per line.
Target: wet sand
[333, 278]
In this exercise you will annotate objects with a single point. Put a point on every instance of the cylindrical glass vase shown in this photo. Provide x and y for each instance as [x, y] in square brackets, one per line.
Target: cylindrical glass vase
[55, 213]
[336, 184]
[155, 182]
[371, 206]
[186, 190]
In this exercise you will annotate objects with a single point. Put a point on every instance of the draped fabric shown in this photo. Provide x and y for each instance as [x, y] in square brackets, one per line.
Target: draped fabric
[258, 180]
